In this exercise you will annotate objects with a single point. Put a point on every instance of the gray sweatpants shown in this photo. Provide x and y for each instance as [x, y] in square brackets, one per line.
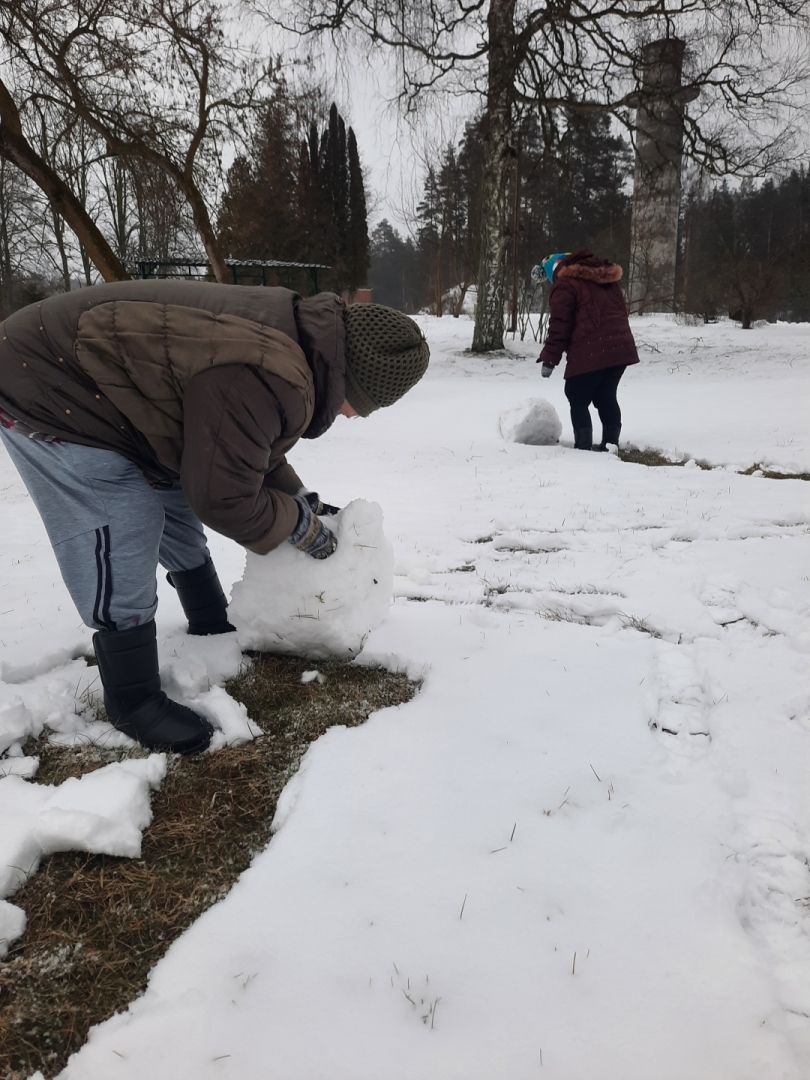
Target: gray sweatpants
[108, 527]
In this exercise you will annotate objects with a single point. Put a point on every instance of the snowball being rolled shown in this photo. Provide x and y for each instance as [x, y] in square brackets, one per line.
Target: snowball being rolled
[287, 602]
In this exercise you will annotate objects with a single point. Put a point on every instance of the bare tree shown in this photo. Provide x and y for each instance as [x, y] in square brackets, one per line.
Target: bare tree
[19, 151]
[21, 236]
[118, 186]
[747, 61]
[160, 81]
[74, 153]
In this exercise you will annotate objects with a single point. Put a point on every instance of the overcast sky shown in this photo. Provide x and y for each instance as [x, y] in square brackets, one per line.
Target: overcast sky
[394, 151]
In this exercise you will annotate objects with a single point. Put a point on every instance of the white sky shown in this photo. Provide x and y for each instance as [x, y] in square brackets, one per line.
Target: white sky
[394, 151]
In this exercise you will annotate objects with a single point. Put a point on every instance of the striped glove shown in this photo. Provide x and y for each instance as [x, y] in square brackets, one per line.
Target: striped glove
[315, 504]
[310, 534]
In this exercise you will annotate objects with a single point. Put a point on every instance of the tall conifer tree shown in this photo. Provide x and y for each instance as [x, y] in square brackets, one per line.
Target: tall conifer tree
[358, 242]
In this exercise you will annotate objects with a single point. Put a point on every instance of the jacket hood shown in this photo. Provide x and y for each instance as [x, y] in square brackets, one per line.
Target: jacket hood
[322, 333]
[586, 266]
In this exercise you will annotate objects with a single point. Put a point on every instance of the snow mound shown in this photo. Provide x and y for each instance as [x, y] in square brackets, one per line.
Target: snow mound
[15, 724]
[12, 925]
[291, 603]
[535, 422]
[103, 812]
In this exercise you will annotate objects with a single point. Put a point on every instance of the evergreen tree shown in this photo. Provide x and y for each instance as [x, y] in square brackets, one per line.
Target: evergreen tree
[395, 271]
[746, 253]
[573, 193]
[357, 241]
[299, 195]
[430, 221]
[265, 207]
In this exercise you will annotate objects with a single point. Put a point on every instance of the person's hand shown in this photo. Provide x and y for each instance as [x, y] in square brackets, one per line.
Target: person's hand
[323, 543]
[311, 536]
[546, 370]
[319, 507]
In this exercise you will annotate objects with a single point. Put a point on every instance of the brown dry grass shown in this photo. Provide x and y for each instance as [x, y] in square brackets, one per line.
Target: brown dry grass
[769, 474]
[97, 925]
[650, 458]
[655, 459]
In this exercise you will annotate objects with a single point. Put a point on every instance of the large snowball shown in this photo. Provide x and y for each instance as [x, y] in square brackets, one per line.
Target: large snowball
[534, 422]
[291, 603]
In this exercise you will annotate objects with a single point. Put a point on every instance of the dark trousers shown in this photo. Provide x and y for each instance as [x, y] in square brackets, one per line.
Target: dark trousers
[598, 388]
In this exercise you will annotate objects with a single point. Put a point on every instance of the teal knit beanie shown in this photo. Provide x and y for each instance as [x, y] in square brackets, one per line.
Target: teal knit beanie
[550, 264]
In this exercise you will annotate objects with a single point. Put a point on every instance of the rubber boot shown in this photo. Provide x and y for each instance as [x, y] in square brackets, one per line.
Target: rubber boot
[610, 434]
[202, 598]
[135, 704]
[583, 438]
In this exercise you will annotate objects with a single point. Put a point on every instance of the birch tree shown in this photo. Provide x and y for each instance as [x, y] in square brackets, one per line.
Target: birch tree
[747, 62]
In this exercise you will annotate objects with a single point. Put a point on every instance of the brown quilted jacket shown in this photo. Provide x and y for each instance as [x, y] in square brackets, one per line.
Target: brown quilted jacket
[204, 385]
[588, 318]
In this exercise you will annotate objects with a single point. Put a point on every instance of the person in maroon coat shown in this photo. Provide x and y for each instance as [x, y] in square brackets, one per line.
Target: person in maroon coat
[589, 322]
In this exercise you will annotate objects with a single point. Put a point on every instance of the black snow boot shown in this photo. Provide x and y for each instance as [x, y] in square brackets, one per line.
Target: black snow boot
[610, 434]
[583, 438]
[135, 704]
[202, 598]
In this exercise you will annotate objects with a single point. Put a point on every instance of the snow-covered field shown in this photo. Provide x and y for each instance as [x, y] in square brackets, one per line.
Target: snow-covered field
[582, 850]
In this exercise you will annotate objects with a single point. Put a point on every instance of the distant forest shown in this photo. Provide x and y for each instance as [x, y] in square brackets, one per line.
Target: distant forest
[743, 252]
[577, 196]
[297, 193]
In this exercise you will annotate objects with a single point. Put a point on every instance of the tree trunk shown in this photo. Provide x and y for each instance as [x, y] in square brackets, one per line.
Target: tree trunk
[439, 305]
[59, 236]
[205, 230]
[6, 276]
[462, 292]
[16, 149]
[498, 165]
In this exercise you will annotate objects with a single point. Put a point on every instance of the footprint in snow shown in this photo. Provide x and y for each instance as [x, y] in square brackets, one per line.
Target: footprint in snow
[678, 700]
[721, 600]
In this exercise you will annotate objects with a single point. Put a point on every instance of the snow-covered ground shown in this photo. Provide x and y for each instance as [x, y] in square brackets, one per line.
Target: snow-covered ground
[582, 850]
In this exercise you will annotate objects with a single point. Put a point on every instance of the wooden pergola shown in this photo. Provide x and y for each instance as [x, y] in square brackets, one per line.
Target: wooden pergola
[200, 269]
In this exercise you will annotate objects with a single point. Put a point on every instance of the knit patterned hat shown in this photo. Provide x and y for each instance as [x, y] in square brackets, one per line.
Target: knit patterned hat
[550, 264]
[386, 354]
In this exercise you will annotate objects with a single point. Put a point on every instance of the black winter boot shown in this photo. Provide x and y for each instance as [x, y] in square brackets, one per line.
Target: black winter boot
[583, 438]
[202, 598]
[135, 704]
[610, 434]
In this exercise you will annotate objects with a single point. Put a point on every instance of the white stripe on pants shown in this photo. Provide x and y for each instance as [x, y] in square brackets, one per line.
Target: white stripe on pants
[109, 529]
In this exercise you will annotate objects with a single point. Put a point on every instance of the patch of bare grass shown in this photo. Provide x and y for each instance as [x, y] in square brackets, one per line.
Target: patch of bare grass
[651, 458]
[560, 614]
[635, 622]
[655, 459]
[769, 474]
[97, 924]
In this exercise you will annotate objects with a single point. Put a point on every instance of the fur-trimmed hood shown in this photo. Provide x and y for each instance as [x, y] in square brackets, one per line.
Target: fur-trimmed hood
[585, 265]
[588, 317]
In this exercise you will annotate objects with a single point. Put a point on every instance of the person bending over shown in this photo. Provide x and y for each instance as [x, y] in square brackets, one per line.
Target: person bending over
[589, 323]
[137, 411]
